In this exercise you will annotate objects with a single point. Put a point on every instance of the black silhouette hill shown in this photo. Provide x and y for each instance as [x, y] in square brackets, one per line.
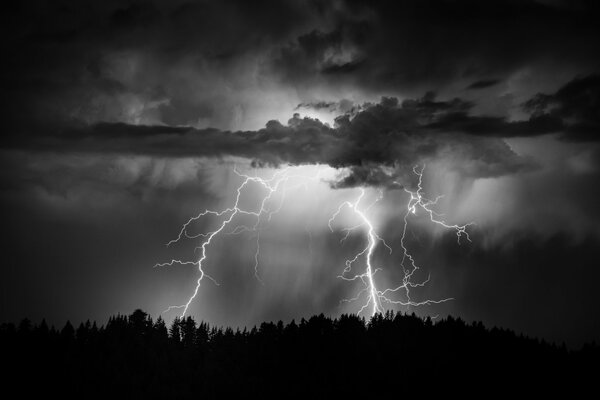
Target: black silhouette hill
[388, 356]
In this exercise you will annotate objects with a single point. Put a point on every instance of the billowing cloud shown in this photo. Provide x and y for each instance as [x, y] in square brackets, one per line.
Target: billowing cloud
[378, 144]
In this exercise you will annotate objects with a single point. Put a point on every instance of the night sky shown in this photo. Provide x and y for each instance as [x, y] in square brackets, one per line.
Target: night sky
[123, 119]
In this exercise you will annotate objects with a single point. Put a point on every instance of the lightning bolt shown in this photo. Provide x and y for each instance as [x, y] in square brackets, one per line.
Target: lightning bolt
[276, 183]
[376, 298]
[367, 277]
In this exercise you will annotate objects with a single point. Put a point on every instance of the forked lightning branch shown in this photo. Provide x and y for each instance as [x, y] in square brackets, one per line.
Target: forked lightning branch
[360, 268]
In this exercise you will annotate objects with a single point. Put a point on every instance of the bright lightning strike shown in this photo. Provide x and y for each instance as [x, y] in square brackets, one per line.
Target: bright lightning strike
[375, 298]
[367, 277]
[274, 184]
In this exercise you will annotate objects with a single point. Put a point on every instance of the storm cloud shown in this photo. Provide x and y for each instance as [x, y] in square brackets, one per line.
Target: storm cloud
[378, 144]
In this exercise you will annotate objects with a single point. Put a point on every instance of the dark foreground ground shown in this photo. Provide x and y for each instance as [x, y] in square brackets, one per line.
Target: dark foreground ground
[390, 356]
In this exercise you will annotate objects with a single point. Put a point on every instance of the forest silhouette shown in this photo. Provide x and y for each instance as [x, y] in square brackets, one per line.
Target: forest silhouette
[391, 354]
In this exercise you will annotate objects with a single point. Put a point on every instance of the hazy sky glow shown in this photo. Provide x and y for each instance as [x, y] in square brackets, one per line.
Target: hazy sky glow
[121, 120]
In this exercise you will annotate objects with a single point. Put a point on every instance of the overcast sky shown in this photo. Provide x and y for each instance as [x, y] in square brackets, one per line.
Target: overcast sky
[122, 119]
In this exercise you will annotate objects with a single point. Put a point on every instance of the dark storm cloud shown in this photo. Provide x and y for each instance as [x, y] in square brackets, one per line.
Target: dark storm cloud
[571, 111]
[414, 44]
[377, 144]
[497, 126]
[343, 106]
[318, 105]
[576, 105]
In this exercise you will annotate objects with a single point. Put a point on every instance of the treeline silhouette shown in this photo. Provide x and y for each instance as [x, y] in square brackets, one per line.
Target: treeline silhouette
[397, 354]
